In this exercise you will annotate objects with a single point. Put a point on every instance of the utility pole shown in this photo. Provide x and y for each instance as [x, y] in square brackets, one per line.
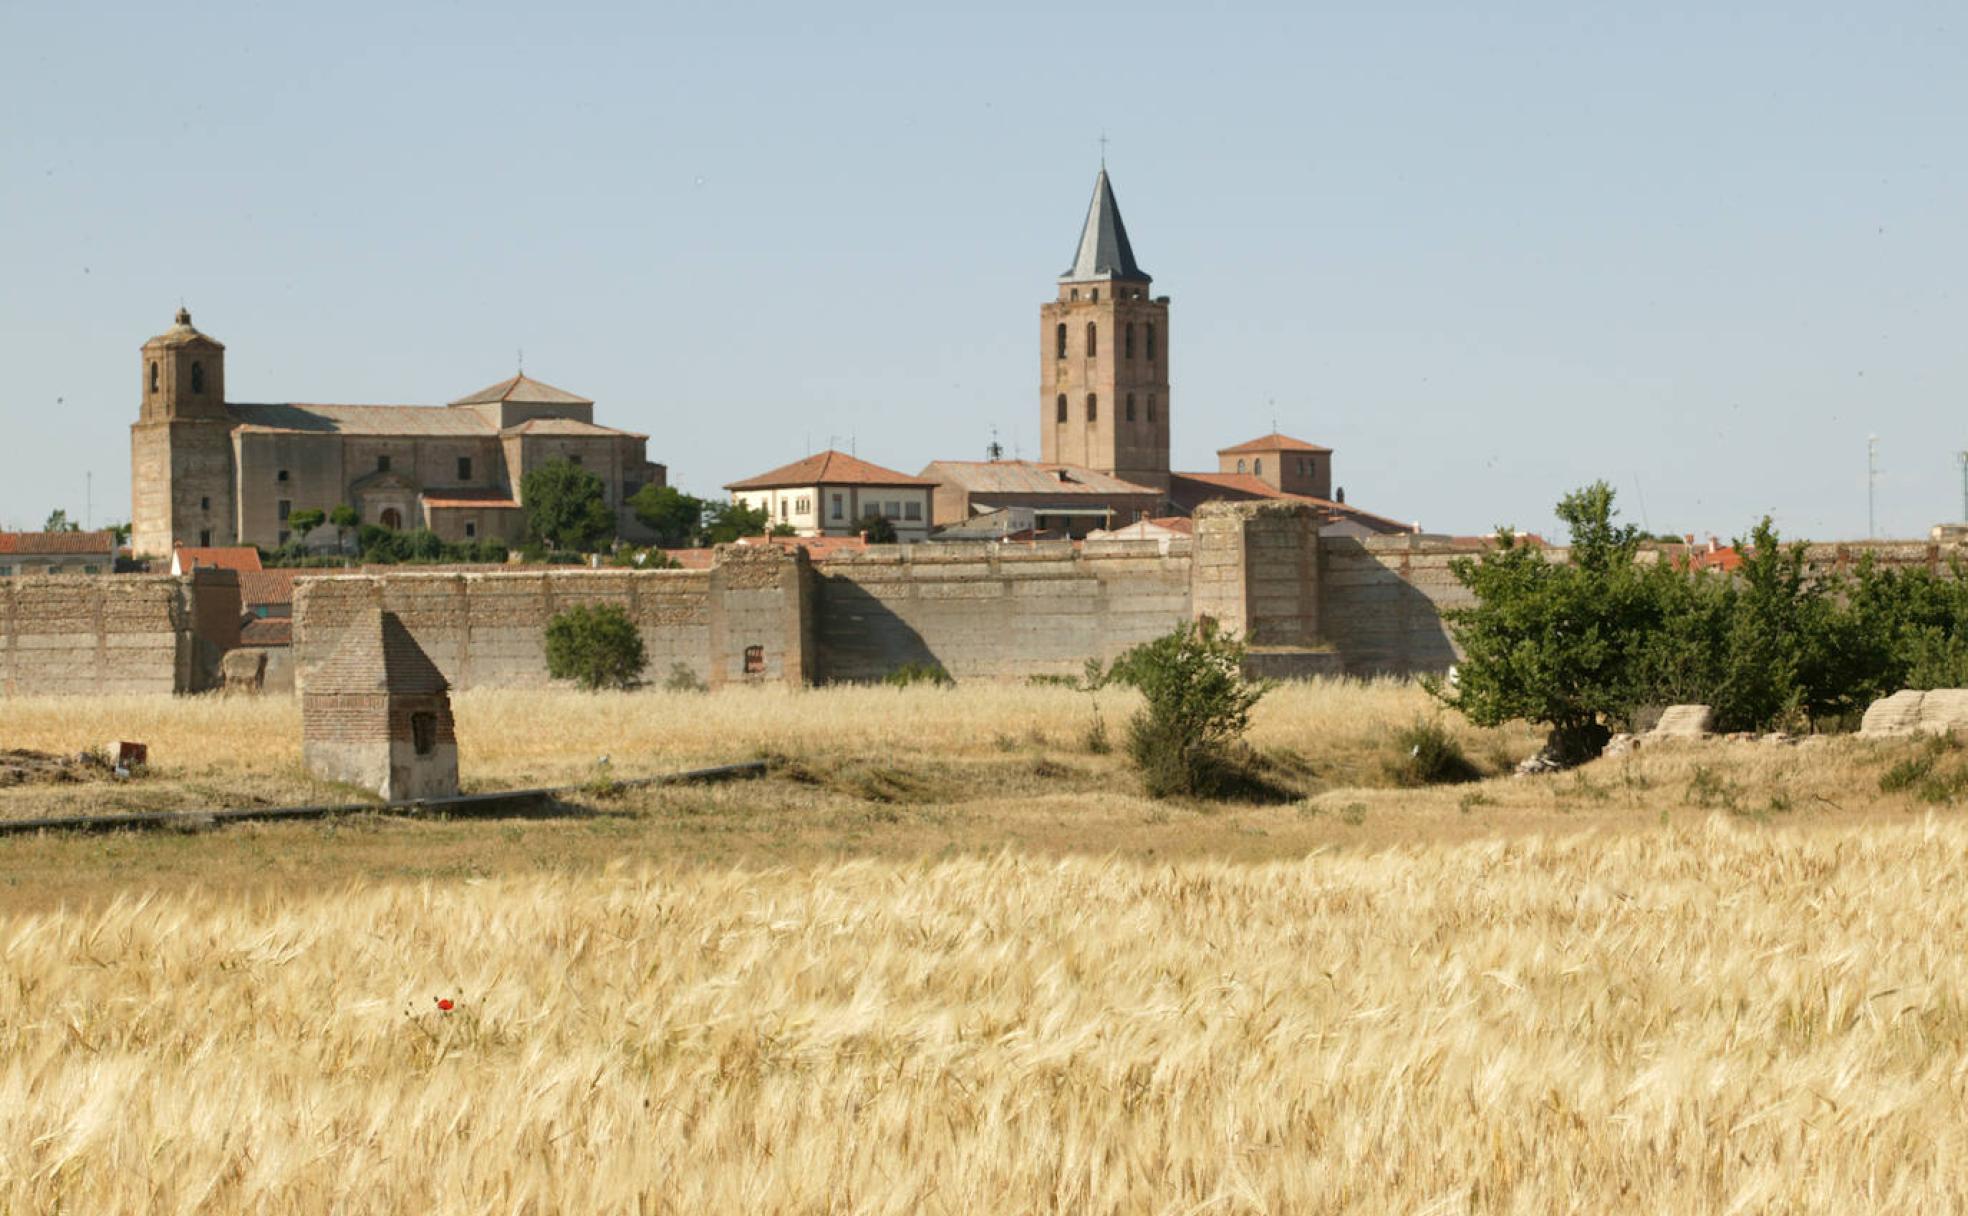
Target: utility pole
[1872, 487]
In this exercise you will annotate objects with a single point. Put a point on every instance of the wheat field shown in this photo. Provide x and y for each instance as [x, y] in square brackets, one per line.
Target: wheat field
[1710, 1017]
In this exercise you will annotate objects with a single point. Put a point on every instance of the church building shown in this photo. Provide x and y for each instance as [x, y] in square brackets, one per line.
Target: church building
[1104, 408]
[207, 472]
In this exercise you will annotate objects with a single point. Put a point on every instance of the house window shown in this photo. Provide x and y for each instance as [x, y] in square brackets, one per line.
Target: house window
[837, 506]
[471, 529]
[1240, 464]
[382, 464]
[1151, 407]
[894, 510]
[464, 468]
[1130, 407]
[1257, 466]
[1093, 407]
[286, 509]
[205, 538]
[785, 507]
[1060, 407]
[1151, 340]
[912, 510]
[1128, 341]
[423, 732]
[198, 377]
[754, 660]
[1059, 340]
[1093, 339]
[153, 375]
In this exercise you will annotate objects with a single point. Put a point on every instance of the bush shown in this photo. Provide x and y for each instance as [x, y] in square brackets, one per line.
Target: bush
[683, 679]
[1427, 754]
[1198, 706]
[879, 528]
[596, 646]
[918, 673]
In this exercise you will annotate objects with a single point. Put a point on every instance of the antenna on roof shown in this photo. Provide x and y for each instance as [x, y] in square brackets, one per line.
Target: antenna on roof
[996, 450]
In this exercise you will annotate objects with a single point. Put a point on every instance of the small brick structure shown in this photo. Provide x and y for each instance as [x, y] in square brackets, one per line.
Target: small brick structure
[377, 714]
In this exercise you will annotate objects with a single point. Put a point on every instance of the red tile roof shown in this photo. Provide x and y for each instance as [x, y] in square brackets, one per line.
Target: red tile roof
[828, 468]
[1274, 442]
[236, 557]
[271, 586]
[58, 544]
[522, 389]
[273, 631]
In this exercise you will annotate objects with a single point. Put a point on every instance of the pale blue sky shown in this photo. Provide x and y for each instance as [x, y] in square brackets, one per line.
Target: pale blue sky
[1486, 252]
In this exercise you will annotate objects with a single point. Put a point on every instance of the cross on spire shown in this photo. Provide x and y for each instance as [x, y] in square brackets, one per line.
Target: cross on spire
[1103, 149]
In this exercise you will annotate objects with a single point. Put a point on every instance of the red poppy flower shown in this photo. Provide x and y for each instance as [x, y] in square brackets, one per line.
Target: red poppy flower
[445, 1005]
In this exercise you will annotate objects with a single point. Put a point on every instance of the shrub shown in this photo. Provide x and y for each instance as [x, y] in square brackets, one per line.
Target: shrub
[683, 679]
[1427, 754]
[918, 673]
[1197, 708]
[596, 646]
[880, 529]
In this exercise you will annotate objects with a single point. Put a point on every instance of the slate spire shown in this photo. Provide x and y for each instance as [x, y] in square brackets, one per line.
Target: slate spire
[1104, 252]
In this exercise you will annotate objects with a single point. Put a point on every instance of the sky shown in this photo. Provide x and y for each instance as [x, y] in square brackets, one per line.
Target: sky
[1487, 253]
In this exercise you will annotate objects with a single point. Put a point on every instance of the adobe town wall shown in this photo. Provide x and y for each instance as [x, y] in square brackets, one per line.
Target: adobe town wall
[987, 610]
[93, 635]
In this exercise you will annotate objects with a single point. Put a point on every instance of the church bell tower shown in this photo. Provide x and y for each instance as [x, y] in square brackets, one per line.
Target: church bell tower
[1103, 359]
[181, 484]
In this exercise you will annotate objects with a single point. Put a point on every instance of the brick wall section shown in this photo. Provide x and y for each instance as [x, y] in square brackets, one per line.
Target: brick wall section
[489, 630]
[760, 597]
[121, 634]
[1257, 572]
[1383, 598]
[984, 610]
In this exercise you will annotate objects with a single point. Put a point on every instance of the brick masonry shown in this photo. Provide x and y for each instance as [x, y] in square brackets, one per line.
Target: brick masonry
[116, 634]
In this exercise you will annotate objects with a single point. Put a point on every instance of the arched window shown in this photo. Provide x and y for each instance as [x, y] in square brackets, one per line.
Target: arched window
[1240, 464]
[1151, 339]
[1093, 408]
[153, 375]
[1059, 339]
[1127, 346]
[1093, 340]
[1096, 295]
[1130, 407]
[1061, 407]
[198, 377]
[1151, 407]
[1257, 466]
[392, 519]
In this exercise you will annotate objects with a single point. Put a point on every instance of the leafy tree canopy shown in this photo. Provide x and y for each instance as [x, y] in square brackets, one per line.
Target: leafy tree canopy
[567, 507]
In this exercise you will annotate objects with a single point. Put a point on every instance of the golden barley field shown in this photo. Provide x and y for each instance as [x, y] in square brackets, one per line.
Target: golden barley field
[947, 958]
[1708, 1018]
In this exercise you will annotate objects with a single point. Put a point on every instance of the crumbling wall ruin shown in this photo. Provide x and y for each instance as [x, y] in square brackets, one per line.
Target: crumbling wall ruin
[89, 635]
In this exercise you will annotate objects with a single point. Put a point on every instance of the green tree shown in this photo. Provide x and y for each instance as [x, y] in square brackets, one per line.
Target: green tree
[567, 507]
[675, 517]
[880, 529]
[1197, 707]
[596, 646]
[344, 516]
[303, 522]
[58, 521]
[1557, 644]
[729, 521]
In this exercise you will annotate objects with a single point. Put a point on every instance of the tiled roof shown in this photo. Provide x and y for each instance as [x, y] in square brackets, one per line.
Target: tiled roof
[58, 544]
[1274, 442]
[403, 420]
[1192, 490]
[272, 631]
[522, 389]
[267, 586]
[1176, 523]
[377, 654]
[480, 499]
[234, 557]
[828, 468]
[181, 333]
[1103, 252]
[1026, 477]
[567, 426]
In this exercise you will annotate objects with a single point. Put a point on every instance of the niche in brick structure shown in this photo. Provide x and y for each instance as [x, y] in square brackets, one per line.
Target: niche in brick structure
[377, 714]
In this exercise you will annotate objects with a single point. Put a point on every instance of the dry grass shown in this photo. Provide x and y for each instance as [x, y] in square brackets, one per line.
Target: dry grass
[210, 751]
[1704, 1018]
